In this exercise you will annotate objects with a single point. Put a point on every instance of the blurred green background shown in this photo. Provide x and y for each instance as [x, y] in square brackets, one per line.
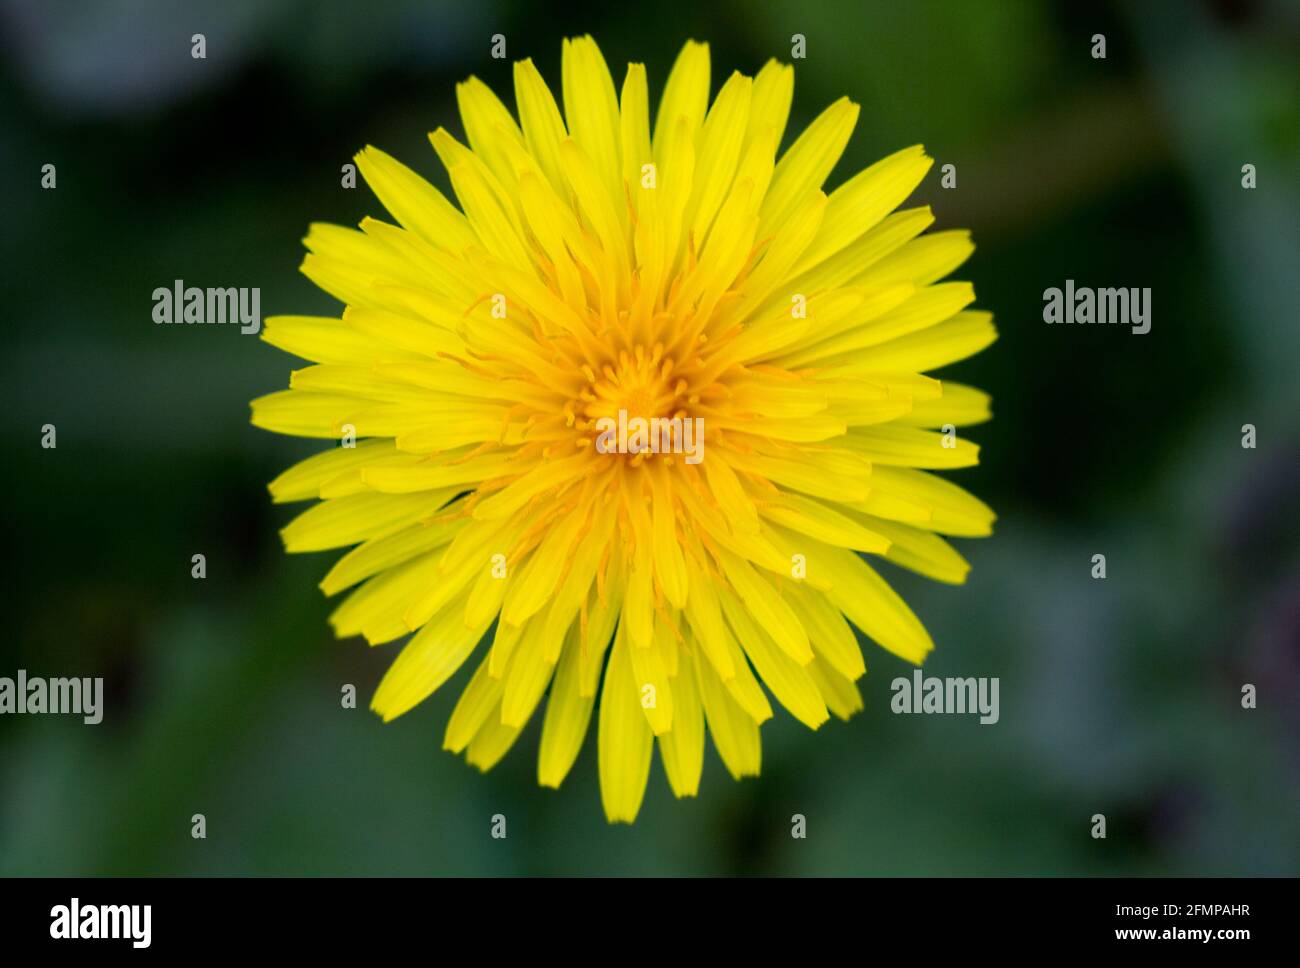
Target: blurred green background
[1119, 697]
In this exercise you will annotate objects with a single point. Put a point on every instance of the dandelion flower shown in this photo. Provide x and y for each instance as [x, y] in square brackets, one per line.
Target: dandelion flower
[594, 269]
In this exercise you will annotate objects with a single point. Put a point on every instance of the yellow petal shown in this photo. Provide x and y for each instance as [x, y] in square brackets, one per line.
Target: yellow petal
[425, 474]
[538, 577]
[669, 566]
[489, 128]
[483, 198]
[601, 209]
[575, 581]
[926, 308]
[568, 713]
[366, 257]
[379, 554]
[720, 143]
[469, 557]
[413, 201]
[923, 260]
[845, 266]
[302, 413]
[602, 616]
[910, 447]
[921, 551]
[324, 340]
[951, 510]
[303, 480]
[734, 732]
[842, 696]
[805, 516]
[832, 639]
[810, 472]
[731, 498]
[375, 609]
[543, 126]
[634, 125]
[431, 658]
[787, 678]
[686, 95]
[705, 616]
[682, 748]
[624, 739]
[654, 694]
[774, 330]
[810, 159]
[484, 599]
[491, 742]
[777, 265]
[526, 679]
[591, 109]
[403, 330]
[964, 335]
[770, 611]
[541, 478]
[359, 517]
[637, 618]
[744, 687]
[861, 202]
[960, 406]
[358, 381]
[504, 640]
[870, 603]
[770, 106]
[480, 699]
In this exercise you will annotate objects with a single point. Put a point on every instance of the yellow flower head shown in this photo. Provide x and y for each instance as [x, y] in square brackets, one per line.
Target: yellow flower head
[634, 405]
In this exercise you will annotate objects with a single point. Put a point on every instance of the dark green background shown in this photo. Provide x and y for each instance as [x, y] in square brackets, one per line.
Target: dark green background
[1118, 697]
